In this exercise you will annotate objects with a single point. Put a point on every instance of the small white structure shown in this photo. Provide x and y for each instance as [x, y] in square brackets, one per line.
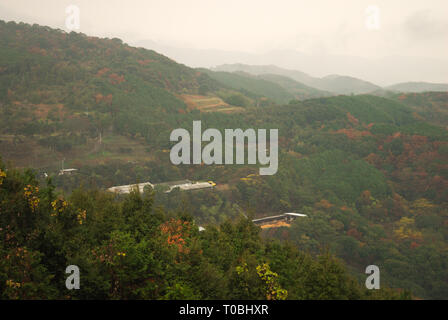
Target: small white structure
[128, 188]
[185, 185]
[67, 171]
[191, 186]
[292, 214]
[286, 217]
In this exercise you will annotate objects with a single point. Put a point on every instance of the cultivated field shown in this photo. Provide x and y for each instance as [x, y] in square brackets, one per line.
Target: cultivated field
[208, 104]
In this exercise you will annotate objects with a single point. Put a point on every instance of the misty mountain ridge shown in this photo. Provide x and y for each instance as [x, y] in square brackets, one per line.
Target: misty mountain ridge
[338, 84]
[382, 71]
[418, 87]
[278, 88]
[332, 83]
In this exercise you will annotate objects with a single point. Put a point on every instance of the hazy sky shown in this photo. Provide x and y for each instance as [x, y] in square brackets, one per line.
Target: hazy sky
[408, 28]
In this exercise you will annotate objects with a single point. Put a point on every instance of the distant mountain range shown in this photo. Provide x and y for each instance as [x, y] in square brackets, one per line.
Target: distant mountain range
[418, 87]
[336, 84]
[383, 71]
[298, 89]
[278, 88]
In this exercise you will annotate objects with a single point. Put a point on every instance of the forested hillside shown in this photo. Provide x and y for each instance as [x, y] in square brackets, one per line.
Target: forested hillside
[277, 88]
[299, 90]
[127, 249]
[64, 90]
[370, 173]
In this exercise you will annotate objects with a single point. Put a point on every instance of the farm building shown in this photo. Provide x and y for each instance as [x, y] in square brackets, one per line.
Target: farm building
[285, 219]
[185, 185]
[128, 188]
[67, 171]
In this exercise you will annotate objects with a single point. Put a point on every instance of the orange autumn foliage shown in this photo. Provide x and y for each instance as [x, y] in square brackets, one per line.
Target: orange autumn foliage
[352, 119]
[101, 72]
[116, 79]
[100, 98]
[354, 134]
[324, 204]
[145, 61]
[354, 233]
[177, 231]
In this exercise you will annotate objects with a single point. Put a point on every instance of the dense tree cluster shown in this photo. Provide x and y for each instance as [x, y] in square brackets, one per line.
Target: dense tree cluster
[127, 249]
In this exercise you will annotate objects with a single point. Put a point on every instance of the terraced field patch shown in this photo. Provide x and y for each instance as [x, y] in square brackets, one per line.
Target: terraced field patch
[208, 104]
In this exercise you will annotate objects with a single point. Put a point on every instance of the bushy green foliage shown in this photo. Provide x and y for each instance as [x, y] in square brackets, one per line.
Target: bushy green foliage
[126, 249]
